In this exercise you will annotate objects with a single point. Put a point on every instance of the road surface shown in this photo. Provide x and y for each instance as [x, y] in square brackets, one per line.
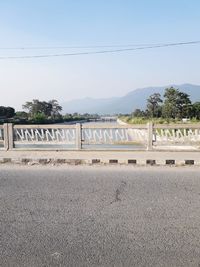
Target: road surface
[99, 216]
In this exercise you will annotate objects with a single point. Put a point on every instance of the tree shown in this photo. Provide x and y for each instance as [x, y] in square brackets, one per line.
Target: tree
[183, 105]
[138, 113]
[176, 104]
[33, 107]
[7, 112]
[153, 105]
[170, 109]
[39, 118]
[49, 109]
[21, 115]
[196, 110]
[55, 108]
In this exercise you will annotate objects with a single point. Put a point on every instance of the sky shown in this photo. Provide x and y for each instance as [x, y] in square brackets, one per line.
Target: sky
[79, 23]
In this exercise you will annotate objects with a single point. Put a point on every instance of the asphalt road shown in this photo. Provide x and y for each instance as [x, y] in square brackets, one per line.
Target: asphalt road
[99, 216]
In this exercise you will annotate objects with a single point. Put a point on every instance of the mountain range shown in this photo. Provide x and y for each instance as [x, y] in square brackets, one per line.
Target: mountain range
[125, 104]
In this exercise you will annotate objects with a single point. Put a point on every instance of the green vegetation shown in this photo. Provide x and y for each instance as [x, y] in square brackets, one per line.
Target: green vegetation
[80, 117]
[143, 120]
[49, 110]
[41, 112]
[39, 118]
[173, 108]
[6, 112]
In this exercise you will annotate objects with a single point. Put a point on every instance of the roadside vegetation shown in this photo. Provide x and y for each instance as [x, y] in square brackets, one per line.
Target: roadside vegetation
[174, 107]
[41, 112]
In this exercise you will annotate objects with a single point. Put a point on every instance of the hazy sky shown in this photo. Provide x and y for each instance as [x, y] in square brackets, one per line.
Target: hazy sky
[26, 23]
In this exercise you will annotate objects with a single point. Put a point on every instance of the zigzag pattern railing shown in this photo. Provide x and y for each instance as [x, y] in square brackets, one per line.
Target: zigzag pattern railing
[113, 135]
[80, 136]
[177, 134]
[44, 135]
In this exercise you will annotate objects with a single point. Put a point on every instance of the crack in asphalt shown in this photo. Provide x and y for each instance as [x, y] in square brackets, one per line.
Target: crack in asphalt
[119, 191]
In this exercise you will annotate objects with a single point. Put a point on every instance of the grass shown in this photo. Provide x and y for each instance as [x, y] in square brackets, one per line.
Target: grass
[136, 143]
[143, 120]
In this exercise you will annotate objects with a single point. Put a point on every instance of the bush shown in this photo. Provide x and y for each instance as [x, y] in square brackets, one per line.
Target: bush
[39, 118]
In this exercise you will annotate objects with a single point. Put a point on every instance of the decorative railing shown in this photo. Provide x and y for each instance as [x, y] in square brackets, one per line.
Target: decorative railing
[99, 136]
[40, 136]
[114, 134]
[44, 134]
[77, 136]
[177, 134]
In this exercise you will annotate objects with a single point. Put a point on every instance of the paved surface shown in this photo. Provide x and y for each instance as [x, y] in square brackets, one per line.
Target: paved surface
[97, 216]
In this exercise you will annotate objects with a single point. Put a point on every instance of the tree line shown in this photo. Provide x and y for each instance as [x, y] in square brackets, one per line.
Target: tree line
[174, 105]
[37, 111]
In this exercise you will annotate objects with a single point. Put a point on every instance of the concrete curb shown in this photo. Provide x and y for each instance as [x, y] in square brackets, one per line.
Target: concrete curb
[113, 161]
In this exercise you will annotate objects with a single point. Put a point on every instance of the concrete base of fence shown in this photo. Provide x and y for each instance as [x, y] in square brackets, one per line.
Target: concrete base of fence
[132, 158]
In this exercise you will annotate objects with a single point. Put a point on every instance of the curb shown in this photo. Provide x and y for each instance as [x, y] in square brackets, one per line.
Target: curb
[132, 162]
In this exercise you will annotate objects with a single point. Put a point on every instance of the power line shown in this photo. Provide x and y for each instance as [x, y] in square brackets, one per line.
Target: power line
[76, 47]
[101, 51]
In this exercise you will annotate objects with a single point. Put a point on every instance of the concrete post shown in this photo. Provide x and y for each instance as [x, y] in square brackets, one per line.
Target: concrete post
[78, 136]
[10, 136]
[5, 136]
[150, 136]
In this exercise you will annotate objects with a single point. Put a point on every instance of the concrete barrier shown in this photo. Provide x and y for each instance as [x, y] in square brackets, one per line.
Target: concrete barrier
[138, 158]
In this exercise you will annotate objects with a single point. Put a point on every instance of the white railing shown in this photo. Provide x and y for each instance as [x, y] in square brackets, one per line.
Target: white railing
[44, 134]
[177, 134]
[35, 136]
[114, 134]
[102, 136]
[76, 136]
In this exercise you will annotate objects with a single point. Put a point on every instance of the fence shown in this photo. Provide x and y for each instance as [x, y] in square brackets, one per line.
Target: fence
[104, 136]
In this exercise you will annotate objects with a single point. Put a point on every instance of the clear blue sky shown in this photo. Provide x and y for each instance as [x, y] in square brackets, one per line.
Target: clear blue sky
[95, 22]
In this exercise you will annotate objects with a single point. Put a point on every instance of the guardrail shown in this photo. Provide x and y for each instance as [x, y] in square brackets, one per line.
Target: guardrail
[104, 136]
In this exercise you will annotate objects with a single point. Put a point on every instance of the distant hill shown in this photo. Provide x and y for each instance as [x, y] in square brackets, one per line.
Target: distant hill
[126, 104]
